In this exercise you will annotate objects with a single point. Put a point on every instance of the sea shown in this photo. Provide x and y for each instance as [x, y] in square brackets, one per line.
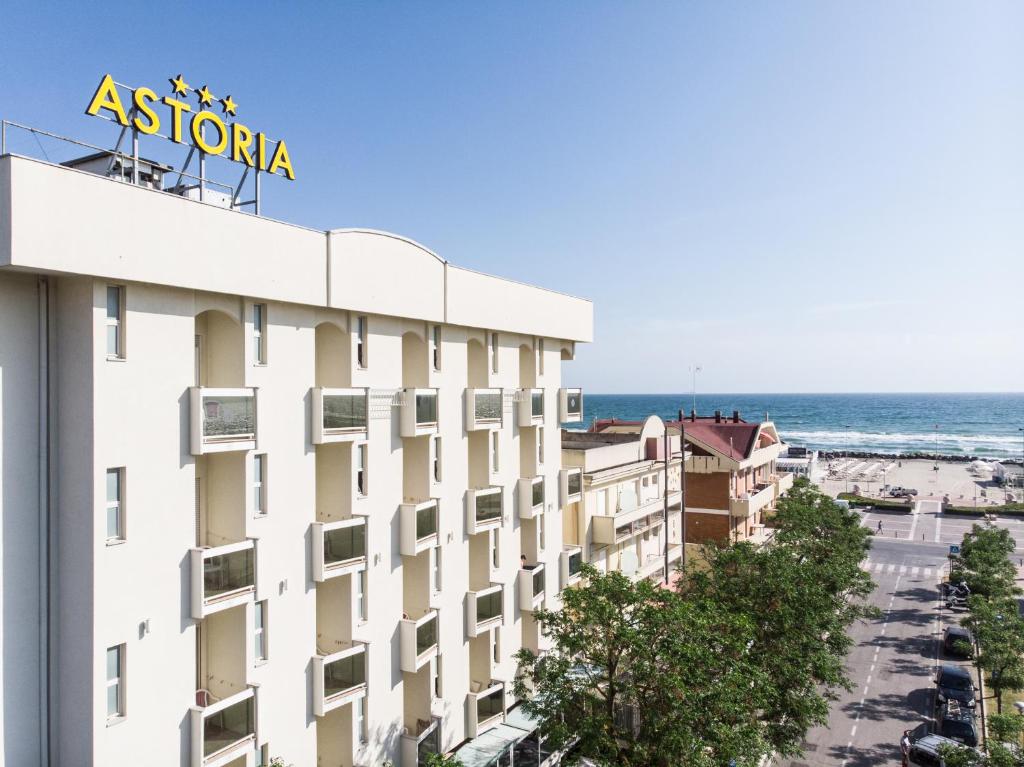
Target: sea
[986, 426]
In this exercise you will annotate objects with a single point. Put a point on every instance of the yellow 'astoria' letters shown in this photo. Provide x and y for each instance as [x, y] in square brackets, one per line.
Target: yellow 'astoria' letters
[177, 107]
[261, 151]
[142, 98]
[197, 133]
[106, 97]
[241, 140]
[282, 160]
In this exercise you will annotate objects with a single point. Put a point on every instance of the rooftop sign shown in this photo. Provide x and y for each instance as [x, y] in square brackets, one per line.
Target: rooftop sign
[231, 139]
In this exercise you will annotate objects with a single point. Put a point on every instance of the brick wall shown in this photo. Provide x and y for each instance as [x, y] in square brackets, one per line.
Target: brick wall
[707, 491]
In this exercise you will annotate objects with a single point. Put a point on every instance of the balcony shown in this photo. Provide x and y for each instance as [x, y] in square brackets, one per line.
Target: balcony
[571, 485]
[531, 497]
[419, 523]
[759, 497]
[222, 419]
[530, 407]
[531, 587]
[783, 482]
[420, 741]
[339, 678]
[419, 641]
[570, 405]
[339, 548]
[486, 708]
[570, 561]
[483, 409]
[484, 509]
[223, 730]
[222, 577]
[339, 415]
[609, 530]
[419, 412]
[484, 610]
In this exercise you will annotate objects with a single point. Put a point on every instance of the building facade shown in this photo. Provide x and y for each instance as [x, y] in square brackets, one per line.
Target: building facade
[266, 491]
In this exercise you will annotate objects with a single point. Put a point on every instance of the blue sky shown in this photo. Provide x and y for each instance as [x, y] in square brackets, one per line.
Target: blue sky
[797, 196]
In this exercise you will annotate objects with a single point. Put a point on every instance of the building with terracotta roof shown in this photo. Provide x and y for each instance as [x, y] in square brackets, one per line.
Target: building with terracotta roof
[731, 476]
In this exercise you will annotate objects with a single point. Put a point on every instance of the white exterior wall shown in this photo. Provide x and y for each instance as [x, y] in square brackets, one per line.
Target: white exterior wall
[135, 413]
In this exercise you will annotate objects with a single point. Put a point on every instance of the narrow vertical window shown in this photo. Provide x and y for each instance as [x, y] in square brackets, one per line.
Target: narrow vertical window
[437, 568]
[437, 459]
[259, 631]
[359, 719]
[497, 645]
[540, 356]
[263, 756]
[115, 682]
[494, 352]
[437, 676]
[495, 559]
[259, 484]
[362, 485]
[360, 580]
[115, 321]
[259, 334]
[540, 531]
[437, 347]
[361, 341]
[115, 505]
[540, 444]
[495, 455]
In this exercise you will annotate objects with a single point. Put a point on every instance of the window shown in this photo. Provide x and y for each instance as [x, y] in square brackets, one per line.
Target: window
[494, 451]
[437, 459]
[496, 645]
[115, 322]
[540, 531]
[361, 341]
[437, 676]
[359, 719]
[259, 334]
[115, 505]
[362, 484]
[263, 755]
[259, 484]
[115, 682]
[540, 356]
[495, 559]
[494, 352]
[360, 580]
[259, 631]
[437, 347]
[437, 568]
[540, 444]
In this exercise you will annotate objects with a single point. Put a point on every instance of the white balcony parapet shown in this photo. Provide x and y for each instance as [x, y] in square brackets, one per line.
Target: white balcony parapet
[570, 485]
[223, 730]
[532, 497]
[609, 530]
[485, 609]
[420, 740]
[339, 415]
[419, 526]
[570, 561]
[222, 419]
[339, 678]
[486, 707]
[484, 409]
[419, 641]
[532, 582]
[530, 407]
[222, 577]
[339, 548]
[484, 509]
[418, 412]
[570, 405]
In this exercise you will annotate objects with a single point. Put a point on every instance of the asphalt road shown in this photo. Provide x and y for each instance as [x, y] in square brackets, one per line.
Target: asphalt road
[893, 662]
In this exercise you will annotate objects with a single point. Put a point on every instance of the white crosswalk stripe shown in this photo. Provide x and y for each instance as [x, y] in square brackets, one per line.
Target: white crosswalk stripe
[892, 568]
[915, 571]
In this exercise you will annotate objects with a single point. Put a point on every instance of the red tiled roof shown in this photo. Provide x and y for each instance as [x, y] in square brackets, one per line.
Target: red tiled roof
[736, 440]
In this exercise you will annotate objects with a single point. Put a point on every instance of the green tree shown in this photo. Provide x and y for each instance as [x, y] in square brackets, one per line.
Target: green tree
[642, 677]
[440, 760]
[984, 562]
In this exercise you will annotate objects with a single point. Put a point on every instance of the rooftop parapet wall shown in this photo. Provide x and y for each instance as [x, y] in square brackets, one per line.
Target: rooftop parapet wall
[62, 220]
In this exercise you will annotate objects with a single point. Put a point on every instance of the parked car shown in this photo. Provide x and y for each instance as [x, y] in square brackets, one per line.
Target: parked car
[957, 723]
[924, 751]
[901, 492]
[956, 640]
[954, 683]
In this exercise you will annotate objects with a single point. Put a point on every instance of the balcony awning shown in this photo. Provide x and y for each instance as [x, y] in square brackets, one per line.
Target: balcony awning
[484, 749]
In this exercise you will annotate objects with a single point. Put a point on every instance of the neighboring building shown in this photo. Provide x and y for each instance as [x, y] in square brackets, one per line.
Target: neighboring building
[731, 476]
[798, 461]
[266, 491]
[615, 515]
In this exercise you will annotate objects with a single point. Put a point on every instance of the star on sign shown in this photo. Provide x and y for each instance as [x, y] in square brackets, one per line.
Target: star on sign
[179, 85]
[230, 107]
[205, 97]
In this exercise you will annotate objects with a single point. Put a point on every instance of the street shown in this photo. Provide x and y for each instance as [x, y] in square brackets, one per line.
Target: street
[893, 662]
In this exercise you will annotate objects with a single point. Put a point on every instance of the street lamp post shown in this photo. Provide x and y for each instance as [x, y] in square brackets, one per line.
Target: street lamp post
[1021, 430]
[846, 450]
[694, 369]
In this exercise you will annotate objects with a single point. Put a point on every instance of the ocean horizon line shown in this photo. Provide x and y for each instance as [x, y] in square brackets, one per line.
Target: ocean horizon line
[802, 393]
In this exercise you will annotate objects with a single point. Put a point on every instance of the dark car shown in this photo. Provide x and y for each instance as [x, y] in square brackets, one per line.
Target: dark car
[954, 683]
[956, 722]
[956, 640]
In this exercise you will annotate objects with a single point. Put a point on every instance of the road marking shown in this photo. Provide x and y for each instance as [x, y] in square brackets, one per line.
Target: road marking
[938, 525]
[892, 568]
[913, 525]
[927, 572]
[915, 571]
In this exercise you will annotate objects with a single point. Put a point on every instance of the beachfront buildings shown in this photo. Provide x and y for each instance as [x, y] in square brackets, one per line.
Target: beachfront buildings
[615, 515]
[731, 476]
[266, 491]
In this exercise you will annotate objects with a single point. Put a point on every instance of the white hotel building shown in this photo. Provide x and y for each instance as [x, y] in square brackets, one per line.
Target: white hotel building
[265, 491]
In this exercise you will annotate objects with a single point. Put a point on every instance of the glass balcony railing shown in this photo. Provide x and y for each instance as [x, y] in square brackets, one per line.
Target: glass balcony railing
[429, 745]
[538, 582]
[229, 417]
[488, 606]
[344, 675]
[575, 483]
[537, 404]
[487, 406]
[426, 408]
[575, 563]
[344, 544]
[426, 636]
[226, 574]
[426, 522]
[574, 403]
[344, 412]
[538, 494]
[229, 726]
[490, 705]
[488, 507]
